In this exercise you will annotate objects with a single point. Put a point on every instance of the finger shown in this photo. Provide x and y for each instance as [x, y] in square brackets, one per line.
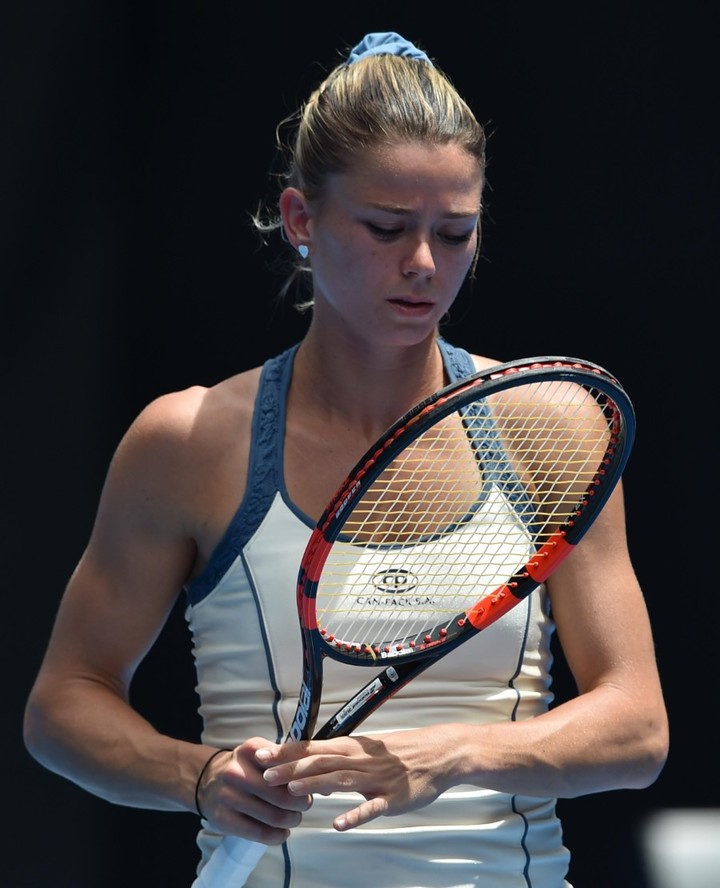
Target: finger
[299, 750]
[336, 767]
[241, 824]
[244, 780]
[268, 754]
[364, 813]
[265, 796]
[260, 820]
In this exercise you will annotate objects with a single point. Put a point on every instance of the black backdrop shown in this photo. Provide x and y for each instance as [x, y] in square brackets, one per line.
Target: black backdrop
[136, 137]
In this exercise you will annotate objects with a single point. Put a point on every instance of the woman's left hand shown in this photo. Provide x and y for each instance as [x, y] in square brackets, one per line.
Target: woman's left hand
[395, 772]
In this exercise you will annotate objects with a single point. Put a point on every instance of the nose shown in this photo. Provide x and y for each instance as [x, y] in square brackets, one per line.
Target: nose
[419, 261]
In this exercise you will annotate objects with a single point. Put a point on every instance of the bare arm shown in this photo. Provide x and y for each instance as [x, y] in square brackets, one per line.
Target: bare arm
[78, 719]
[613, 734]
[79, 722]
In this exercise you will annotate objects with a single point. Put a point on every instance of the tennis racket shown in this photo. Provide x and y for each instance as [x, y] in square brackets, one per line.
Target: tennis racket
[465, 506]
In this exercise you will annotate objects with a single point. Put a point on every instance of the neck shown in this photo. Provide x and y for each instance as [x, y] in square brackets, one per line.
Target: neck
[368, 387]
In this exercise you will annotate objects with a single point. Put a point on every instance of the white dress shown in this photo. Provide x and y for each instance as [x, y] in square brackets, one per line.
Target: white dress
[249, 663]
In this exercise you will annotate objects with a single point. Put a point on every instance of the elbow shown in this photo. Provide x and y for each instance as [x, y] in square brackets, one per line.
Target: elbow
[653, 755]
[657, 761]
[31, 731]
[36, 731]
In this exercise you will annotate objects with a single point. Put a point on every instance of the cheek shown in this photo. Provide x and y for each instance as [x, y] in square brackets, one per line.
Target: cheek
[469, 256]
[457, 266]
[358, 261]
[341, 248]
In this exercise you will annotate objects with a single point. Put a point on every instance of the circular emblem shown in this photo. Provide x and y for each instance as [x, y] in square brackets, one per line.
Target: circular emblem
[394, 579]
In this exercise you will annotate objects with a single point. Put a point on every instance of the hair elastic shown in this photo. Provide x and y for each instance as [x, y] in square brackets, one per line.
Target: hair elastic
[200, 777]
[385, 43]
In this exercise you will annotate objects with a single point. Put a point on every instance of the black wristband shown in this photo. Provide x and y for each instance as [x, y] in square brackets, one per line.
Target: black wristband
[200, 777]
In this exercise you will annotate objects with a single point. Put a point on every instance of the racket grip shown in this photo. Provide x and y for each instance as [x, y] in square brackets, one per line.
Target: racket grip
[230, 864]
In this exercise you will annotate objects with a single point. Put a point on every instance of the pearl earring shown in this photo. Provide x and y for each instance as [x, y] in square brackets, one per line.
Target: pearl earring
[304, 251]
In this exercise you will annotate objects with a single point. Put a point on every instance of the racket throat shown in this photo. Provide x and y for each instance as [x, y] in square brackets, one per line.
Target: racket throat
[356, 710]
[305, 714]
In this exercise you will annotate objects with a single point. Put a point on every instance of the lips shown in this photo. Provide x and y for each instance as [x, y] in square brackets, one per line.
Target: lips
[412, 302]
[412, 307]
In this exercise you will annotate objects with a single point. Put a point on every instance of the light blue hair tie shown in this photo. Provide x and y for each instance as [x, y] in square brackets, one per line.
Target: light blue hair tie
[385, 43]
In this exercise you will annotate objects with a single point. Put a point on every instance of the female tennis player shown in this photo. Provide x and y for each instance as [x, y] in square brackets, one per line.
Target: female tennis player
[213, 494]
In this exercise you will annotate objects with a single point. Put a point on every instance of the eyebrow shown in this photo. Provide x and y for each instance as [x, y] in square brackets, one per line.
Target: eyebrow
[403, 211]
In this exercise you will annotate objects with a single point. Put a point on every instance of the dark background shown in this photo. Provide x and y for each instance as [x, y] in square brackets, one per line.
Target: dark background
[135, 138]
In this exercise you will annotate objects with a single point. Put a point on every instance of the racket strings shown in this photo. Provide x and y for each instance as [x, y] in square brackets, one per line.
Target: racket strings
[459, 513]
[585, 435]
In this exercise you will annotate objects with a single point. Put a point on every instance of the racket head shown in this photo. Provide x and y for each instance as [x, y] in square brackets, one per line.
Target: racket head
[464, 506]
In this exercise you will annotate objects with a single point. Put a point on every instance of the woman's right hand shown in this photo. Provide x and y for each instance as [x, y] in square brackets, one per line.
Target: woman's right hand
[236, 800]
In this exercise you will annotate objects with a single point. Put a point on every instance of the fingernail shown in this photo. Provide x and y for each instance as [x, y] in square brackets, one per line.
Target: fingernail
[262, 755]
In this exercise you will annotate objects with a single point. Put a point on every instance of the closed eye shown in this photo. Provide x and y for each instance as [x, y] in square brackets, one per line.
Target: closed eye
[457, 240]
[384, 233]
[453, 240]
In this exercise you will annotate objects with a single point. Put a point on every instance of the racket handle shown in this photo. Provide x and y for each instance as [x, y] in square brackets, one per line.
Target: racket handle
[230, 864]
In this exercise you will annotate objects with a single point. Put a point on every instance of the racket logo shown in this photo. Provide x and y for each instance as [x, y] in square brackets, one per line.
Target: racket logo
[394, 579]
[347, 498]
[302, 714]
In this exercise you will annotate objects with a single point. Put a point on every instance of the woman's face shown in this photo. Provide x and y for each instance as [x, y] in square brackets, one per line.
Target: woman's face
[393, 238]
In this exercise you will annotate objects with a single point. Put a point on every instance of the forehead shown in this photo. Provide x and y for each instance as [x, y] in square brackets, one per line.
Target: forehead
[403, 173]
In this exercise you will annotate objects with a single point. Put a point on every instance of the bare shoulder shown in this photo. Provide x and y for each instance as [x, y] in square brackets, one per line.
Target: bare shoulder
[188, 420]
[181, 453]
[548, 397]
[484, 363]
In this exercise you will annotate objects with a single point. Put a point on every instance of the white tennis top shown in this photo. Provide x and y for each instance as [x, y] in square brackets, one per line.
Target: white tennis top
[249, 664]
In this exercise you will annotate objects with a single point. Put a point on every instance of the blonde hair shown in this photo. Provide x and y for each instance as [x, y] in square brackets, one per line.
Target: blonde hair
[377, 100]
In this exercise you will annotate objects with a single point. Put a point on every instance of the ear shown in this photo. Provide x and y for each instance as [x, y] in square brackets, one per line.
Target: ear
[295, 214]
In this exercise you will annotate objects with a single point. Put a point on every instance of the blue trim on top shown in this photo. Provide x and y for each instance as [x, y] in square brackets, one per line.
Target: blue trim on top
[496, 467]
[264, 477]
[490, 452]
[457, 362]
